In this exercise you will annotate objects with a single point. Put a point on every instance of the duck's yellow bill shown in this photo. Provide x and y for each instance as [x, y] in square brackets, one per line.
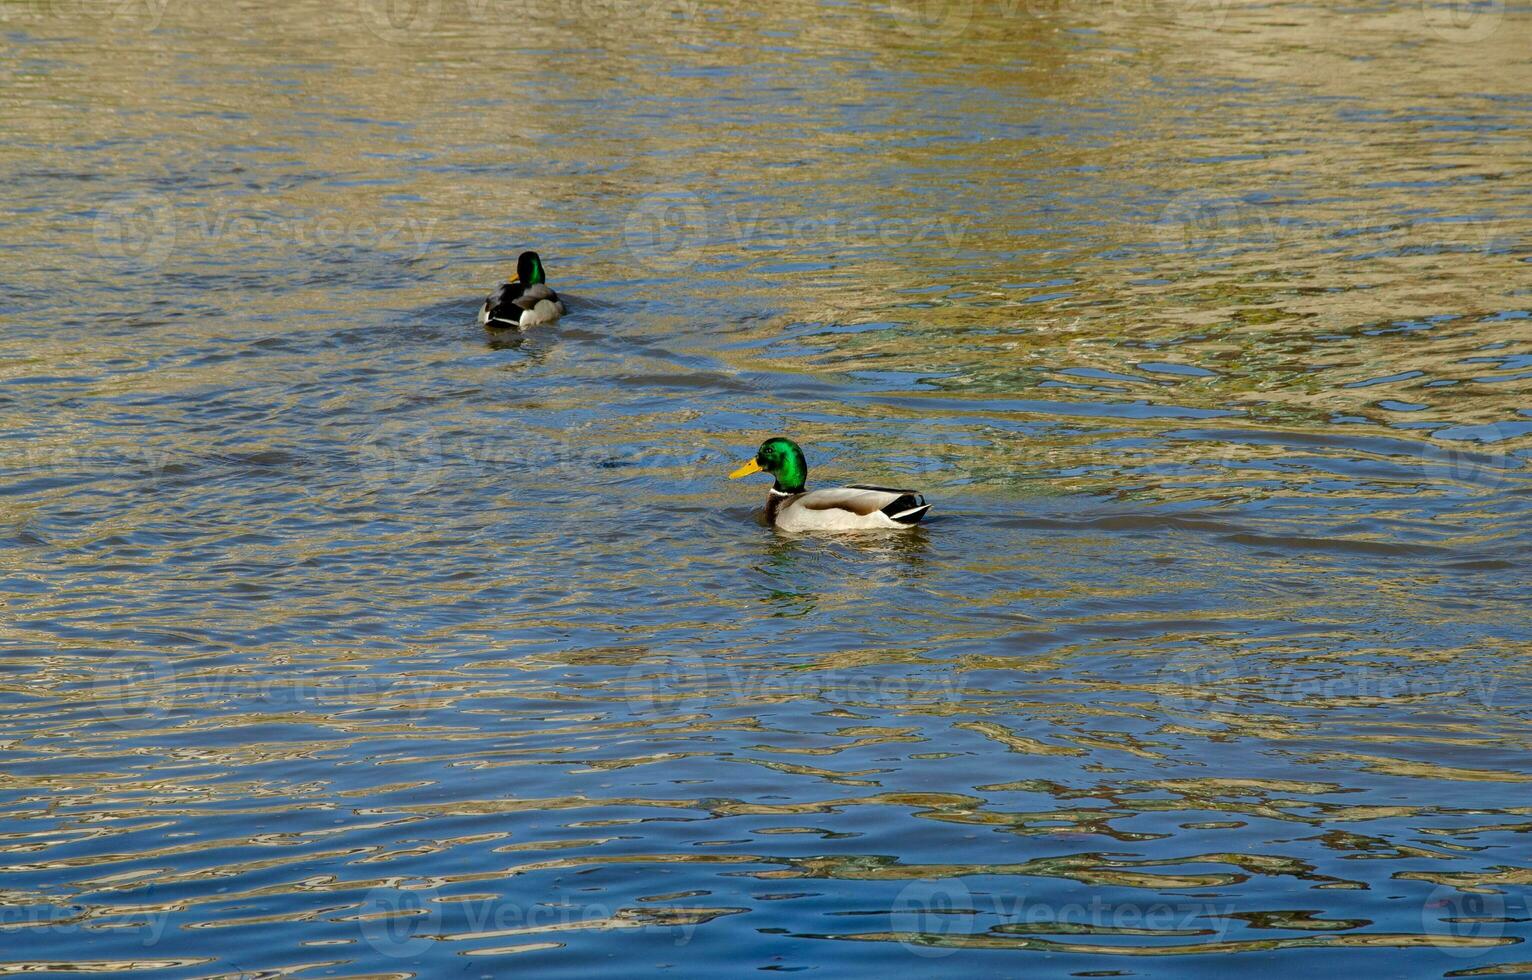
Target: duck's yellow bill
[746, 470]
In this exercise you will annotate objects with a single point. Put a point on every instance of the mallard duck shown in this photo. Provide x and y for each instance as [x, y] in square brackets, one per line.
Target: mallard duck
[525, 301]
[857, 507]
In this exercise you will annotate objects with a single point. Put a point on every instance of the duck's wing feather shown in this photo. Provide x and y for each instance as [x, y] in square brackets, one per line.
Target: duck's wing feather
[522, 306]
[854, 506]
[861, 501]
[506, 293]
[513, 295]
[906, 507]
[500, 304]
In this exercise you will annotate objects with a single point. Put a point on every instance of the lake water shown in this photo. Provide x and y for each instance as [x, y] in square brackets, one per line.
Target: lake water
[343, 639]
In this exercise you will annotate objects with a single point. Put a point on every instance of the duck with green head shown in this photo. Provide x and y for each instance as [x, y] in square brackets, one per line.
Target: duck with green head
[525, 301]
[791, 507]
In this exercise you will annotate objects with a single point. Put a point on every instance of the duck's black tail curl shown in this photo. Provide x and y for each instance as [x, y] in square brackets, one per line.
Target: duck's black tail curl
[908, 509]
